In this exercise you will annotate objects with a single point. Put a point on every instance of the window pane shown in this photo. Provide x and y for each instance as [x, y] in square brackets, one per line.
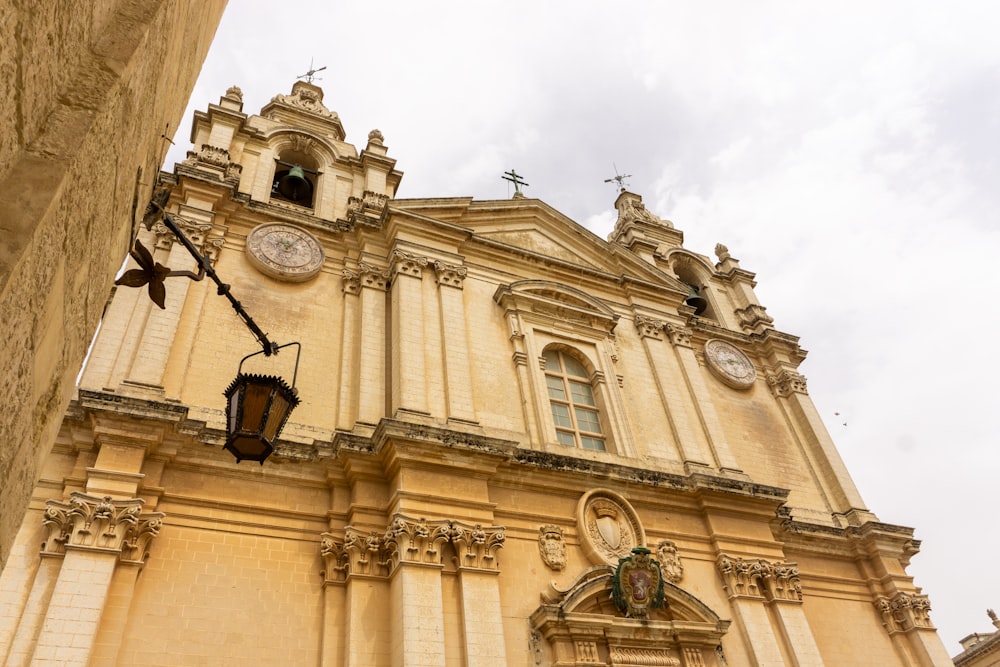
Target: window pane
[551, 360]
[574, 367]
[560, 414]
[566, 438]
[582, 393]
[595, 444]
[586, 420]
[556, 387]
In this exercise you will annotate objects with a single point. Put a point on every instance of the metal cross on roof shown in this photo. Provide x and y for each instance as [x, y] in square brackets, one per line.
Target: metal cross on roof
[515, 178]
[311, 74]
[618, 178]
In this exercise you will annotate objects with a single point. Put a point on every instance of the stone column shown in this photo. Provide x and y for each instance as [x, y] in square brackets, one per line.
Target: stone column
[91, 534]
[694, 379]
[350, 349]
[784, 595]
[358, 633]
[409, 376]
[455, 344]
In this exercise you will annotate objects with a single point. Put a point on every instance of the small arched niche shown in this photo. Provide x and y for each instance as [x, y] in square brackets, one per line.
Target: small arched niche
[690, 271]
[582, 626]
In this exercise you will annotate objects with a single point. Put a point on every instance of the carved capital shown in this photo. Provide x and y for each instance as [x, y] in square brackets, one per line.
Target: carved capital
[351, 283]
[373, 276]
[363, 554]
[759, 578]
[100, 524]
[753, 315]
[196, 232]
[404, 263]
[679, 336]
[369, 210]
[419, 540]
[649, 327]
[449, 274]
[785, 382]
[904, 612]
[336, 560]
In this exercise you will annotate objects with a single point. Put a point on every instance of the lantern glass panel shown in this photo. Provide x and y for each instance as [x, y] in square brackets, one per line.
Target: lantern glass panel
[280, 408]
[254, 406]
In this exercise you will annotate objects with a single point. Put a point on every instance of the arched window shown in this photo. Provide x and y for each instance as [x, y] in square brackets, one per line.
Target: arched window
[571, 397]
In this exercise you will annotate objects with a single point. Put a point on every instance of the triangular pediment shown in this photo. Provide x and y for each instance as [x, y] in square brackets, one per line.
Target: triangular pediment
[531, 227]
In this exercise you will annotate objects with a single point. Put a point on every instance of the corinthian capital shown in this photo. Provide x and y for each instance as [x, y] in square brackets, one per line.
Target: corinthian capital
[450, 274]
[649, 327]
[99, 523]
[785, 382]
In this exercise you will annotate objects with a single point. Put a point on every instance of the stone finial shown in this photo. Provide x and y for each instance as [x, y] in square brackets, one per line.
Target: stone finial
[375, 137]
[722, 252]
[993, 617]
[234, 93]
[632, 210]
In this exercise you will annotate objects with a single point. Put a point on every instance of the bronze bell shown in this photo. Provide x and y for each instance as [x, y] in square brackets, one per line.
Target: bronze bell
[695, 300]
[294, 185]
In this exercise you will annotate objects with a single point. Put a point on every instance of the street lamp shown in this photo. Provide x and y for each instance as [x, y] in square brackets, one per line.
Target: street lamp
[257, 406]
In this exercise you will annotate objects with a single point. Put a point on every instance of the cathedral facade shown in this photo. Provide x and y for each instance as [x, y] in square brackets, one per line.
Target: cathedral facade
[515, 444]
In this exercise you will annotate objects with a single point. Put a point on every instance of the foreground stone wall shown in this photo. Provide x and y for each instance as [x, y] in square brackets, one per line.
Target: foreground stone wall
[90, 87]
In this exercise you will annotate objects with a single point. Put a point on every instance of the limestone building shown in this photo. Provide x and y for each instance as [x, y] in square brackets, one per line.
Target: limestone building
[981, 649]
[517, 443]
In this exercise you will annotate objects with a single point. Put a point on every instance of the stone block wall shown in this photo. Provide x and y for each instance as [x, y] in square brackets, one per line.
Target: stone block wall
[91, 85]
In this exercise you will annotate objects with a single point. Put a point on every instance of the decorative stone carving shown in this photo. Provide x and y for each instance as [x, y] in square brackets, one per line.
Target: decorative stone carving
[758, 578]
[374, 277]
[196, 232]
[904, 611]
[753, 315]
[722, 252]
[669, 560]
[477, 545]
[693, 658]
[649, 327]
[100, 524]
[728, 363]
[608, 527]
[679, 336]
[335, 558]
[369, 210]
[552, 547]
[637, 586]
[535, 647]
[302, 143]
[450, 274]
[407, 264]
[366, 554]
[306, 97]
[375, 137]
[351, 283]
[657, 657]
[418, 541]
[586, 653]
[785, 382]
[631, 209]
[235, 93]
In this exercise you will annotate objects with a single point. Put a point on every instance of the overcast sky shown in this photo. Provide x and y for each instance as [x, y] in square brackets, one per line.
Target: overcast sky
[847, 154]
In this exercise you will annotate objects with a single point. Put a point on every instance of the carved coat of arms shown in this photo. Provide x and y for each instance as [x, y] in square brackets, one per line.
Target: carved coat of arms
[637, 586]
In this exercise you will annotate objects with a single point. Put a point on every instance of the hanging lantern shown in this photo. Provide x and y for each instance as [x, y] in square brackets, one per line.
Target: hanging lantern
[257, 407]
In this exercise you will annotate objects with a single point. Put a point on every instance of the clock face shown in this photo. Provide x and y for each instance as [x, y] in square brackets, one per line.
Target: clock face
[284, 252]
[729, 364]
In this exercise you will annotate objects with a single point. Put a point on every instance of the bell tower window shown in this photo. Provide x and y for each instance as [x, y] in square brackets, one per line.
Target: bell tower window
[295, 178]
[571, 397]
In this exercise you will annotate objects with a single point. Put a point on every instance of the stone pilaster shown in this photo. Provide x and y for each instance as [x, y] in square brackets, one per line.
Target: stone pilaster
[790, 391]
[756, 586]
[722, 456]
[906, 617]
[409, 373]
[455, 343]
[691, 446]
[87, 538]
[368, 347]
